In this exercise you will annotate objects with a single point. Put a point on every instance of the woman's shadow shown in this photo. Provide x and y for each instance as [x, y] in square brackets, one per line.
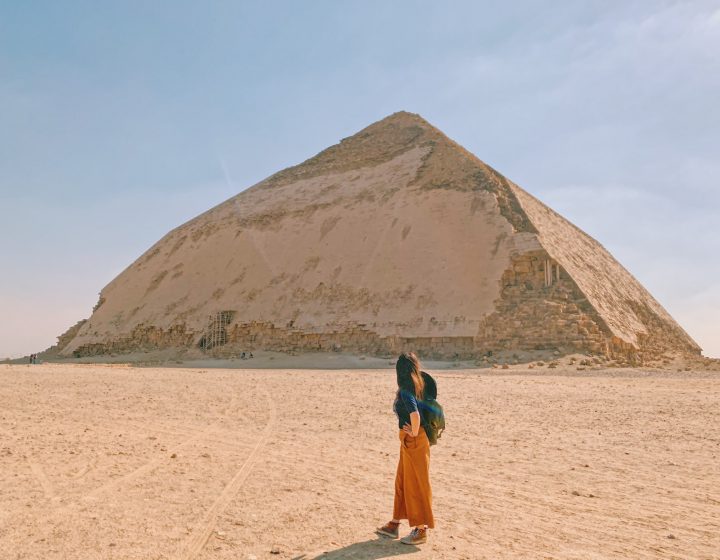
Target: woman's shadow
[372, 549]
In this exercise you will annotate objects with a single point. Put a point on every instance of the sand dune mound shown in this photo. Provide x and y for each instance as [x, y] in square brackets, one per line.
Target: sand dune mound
[396, 237]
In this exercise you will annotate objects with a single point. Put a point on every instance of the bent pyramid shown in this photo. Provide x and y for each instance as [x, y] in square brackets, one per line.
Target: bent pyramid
[395, 238]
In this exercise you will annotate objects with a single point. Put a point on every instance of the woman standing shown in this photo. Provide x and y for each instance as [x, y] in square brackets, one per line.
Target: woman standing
[413, 496]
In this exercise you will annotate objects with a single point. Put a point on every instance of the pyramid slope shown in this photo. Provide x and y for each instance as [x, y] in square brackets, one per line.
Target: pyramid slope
[395, 237]
[629, 310]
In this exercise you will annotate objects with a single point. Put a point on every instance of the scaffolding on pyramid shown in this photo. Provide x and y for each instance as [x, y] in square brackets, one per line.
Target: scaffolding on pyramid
[216, 331]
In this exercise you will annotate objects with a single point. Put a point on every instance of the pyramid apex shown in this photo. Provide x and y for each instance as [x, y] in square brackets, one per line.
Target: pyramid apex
[404, 116]
[401, 120]
[380, 141]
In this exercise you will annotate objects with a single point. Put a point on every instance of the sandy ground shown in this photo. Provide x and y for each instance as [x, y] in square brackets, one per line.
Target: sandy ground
[149, 463]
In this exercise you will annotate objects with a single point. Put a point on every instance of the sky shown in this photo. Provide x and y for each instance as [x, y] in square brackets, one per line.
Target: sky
[121, 120]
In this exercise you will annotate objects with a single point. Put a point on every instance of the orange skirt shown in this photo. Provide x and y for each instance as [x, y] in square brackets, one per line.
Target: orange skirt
[413, 495]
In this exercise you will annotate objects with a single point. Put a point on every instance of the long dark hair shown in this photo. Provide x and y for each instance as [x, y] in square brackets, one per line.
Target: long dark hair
[409, 377]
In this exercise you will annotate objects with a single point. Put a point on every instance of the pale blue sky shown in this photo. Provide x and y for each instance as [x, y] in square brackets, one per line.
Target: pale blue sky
[121, 120]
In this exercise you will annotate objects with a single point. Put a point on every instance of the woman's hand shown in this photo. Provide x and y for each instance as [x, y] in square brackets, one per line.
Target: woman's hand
[413, 428]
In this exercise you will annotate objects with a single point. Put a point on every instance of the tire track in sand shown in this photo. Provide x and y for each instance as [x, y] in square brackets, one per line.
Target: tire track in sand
[35, 467]
[153, 463]
[146, 467]
[198, 541]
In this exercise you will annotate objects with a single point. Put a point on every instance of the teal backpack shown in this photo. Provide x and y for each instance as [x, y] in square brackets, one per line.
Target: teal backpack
[432, 414]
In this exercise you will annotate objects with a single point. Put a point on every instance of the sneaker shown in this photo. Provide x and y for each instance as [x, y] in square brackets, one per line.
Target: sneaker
[390, 529]
[416, 536]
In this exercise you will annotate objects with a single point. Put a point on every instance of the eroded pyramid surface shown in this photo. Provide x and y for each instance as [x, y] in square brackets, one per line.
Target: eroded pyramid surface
[394, 238]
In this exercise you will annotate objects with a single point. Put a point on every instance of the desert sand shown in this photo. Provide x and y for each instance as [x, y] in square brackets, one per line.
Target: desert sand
[123, 462]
